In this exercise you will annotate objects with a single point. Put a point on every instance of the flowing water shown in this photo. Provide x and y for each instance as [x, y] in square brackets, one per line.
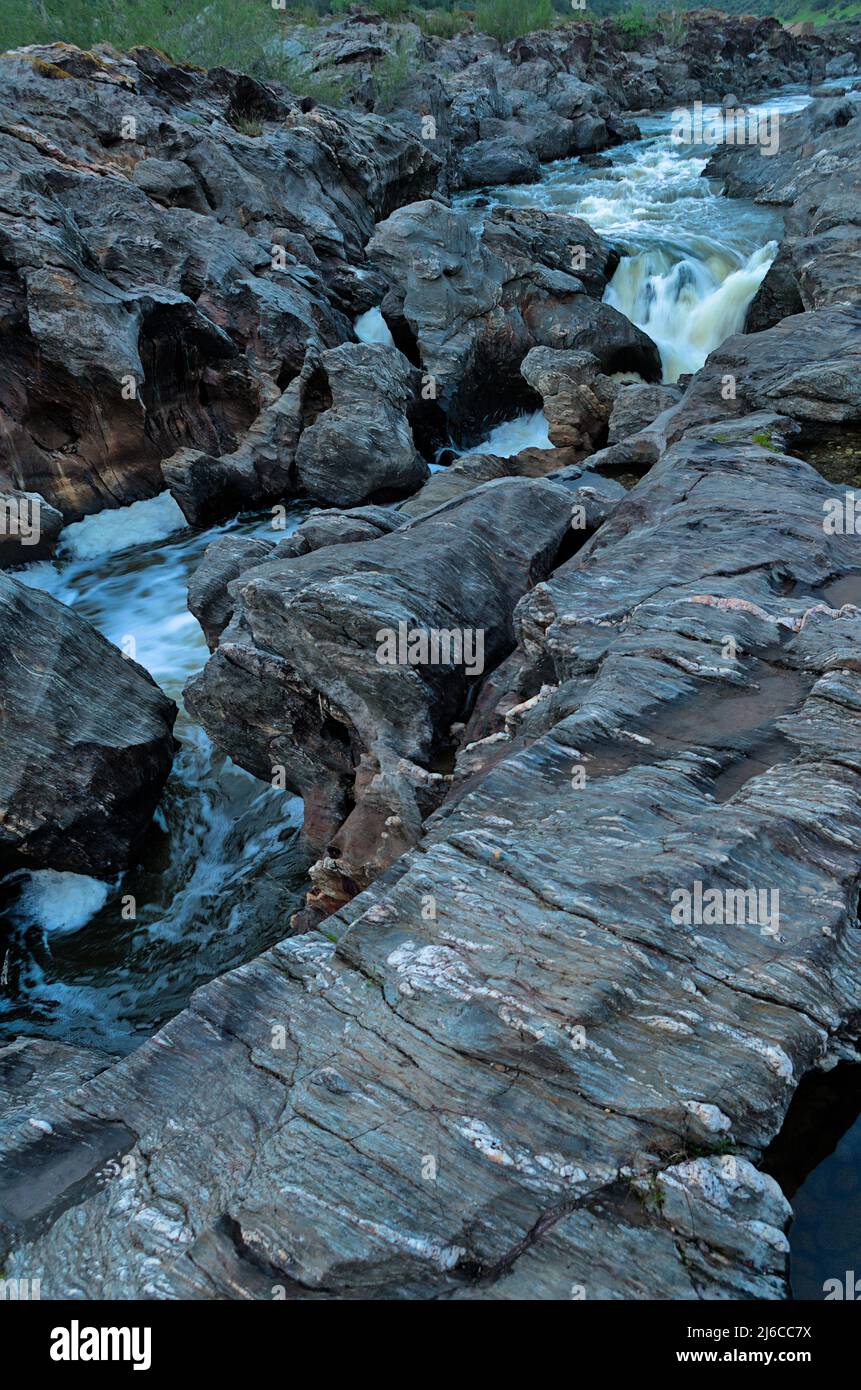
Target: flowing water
[694, 260]
[221, 871]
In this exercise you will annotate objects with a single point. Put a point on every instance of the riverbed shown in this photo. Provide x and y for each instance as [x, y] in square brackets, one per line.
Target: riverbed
[221, 870]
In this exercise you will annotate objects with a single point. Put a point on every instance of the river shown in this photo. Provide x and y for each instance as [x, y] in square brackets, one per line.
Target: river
[221, 870]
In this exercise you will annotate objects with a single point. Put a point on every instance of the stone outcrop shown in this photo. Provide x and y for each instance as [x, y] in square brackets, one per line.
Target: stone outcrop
[361, 446]
[162, 273]
[816, 175]
[577, 397]
[29, 528]
[584, 1112]
[86, 740]
[590, 891]
[302, 680]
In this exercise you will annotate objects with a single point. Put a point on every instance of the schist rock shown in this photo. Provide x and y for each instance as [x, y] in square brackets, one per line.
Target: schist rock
[468, 305]
[163, 274]
[340, 434]
[300, 680]
[29, 528]
[566, 1089]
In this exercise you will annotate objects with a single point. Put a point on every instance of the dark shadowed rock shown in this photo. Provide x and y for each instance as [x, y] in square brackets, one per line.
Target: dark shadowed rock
[340, 433]
[163, 274]
[86, 740]
[468, 306]
[362, 445]
[261, 470]
[499, 160]
[223, 561]
[29, 528]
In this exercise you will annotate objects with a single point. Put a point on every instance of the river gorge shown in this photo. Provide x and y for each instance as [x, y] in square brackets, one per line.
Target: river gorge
[408, 865]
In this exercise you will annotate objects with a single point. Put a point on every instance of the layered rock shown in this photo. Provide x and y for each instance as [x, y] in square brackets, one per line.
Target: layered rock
[303, 681]
[163, 273]
[576, 395]
[816, 175]
[579, 1116]
[805, 368]
[340, 434]
[29, 528]
[514, 1064]
[86, 740]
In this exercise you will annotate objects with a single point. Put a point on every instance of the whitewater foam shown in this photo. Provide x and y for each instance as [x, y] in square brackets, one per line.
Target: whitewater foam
[59, 902]
[371, 327]
[120, 528]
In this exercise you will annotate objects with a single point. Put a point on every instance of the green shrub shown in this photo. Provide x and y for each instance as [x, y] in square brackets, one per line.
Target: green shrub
[241, 34]
[633, 25]
[441, 24]
[392, 74]
[509, 19]
[321, 86]
[391, 9]
[673, 24]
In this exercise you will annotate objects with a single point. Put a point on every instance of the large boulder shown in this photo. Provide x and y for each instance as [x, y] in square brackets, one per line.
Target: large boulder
[577, 396]
[340, 434]
[501, 159]
[469, 304]
[361, 447]
[86, 741]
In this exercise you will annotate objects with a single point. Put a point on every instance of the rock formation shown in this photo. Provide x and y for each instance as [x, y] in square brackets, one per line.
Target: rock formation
[584, 910]
[86, 740]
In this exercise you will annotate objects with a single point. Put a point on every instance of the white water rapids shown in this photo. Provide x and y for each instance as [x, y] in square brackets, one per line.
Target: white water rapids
[694, 259]
[210, 882]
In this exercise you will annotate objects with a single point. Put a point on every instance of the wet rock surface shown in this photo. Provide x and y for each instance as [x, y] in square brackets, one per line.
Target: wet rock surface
[29, 528]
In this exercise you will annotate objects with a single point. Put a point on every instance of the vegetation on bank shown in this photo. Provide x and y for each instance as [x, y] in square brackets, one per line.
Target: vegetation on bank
[253, 35]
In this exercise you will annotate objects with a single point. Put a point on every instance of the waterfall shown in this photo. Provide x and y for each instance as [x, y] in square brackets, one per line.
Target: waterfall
[687, 306]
